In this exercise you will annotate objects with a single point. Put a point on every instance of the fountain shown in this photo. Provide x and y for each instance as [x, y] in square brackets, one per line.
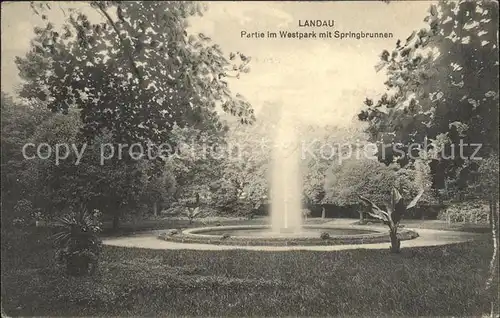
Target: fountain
[286, 215]
[286, 224]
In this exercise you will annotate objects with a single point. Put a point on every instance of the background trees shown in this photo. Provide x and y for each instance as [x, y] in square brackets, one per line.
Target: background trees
[442, 86]
[135, 76]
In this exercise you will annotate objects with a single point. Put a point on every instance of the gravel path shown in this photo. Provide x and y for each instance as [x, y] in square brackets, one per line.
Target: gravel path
[427, 237]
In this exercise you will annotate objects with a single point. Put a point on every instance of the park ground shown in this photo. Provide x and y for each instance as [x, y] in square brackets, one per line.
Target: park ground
[443, 280]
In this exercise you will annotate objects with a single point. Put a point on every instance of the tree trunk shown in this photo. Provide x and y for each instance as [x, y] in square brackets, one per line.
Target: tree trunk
[155, 208]
[494, 258]
[490, 215]
[361, 217]
[395, 242]
[116, 218]
[323, 212]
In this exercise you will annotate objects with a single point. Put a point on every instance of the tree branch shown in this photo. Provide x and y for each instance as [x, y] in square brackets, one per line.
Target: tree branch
[100, 8]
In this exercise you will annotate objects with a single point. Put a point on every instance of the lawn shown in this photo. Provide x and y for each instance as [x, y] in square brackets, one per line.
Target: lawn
[437, 281]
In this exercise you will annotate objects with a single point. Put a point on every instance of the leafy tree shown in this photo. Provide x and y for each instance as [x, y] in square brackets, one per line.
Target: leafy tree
[53, 186]
[344, 183]
[19, 122]
[160, 188]
[133, 76]
[322, 148]
[442, 87]
[194, 161]
[243, 185]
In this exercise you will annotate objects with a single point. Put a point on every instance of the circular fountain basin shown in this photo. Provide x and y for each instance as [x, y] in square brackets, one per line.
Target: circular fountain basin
[256, 235]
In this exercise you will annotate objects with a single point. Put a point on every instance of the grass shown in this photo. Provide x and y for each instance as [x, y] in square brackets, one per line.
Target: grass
[436, 225]
[437, 281]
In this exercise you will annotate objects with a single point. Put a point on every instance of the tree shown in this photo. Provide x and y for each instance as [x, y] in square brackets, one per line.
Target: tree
[53, 187]
[160, 188]
[134, 76]
[368, 177]
[243, 186]
[114, 186]
[344, 183]
[324, 147]
[487, 186]
[442, 88]
[194, 162]
[392, 216]
[19, 122]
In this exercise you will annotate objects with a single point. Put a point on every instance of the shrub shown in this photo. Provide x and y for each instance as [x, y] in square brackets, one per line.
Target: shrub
[23, 210]
[324, 236]
[225, 236]
[77, 243]
[174, 210]
[462, 212]
[23, 207]
[306, 213]
[192, 213]
[19, 222]
[171, 232]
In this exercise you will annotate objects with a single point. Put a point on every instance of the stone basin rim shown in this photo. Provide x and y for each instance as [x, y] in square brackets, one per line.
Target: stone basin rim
[198, 231]
[193, 235]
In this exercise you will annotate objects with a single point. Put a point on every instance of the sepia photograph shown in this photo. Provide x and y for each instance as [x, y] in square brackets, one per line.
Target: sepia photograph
[250, 158]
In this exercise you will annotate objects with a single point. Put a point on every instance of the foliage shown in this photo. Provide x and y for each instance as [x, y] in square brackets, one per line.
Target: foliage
[135, 76]
[345, 182]
[18, 122]
[159, 186]
[306, 213]
[442, 87]
[23, 211]
[77, 243]
[395, 209]
[244, 184]
[324, 236]
[465, 212]
[194, 165]
[317, 158]
[192, 213]
[54, 186]
[142, 66]
[488, 178]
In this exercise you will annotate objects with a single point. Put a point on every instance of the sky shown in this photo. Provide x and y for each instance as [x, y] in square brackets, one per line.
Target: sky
[321, 81]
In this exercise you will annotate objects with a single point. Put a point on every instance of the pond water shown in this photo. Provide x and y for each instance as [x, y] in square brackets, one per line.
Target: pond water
[304, 233]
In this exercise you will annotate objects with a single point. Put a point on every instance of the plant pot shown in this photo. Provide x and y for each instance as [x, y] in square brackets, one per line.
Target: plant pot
[78, 265]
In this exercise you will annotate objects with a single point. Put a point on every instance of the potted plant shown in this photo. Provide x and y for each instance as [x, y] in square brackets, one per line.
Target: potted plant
[77, 242]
